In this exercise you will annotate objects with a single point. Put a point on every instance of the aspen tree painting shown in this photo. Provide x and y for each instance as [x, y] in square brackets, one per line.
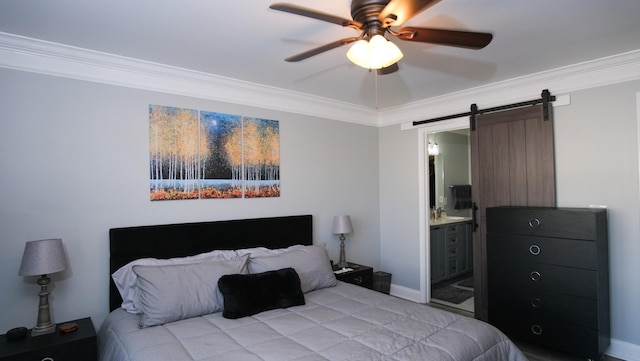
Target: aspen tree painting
[223, 165]
[211, 155]
[261, 158]
[175, 148]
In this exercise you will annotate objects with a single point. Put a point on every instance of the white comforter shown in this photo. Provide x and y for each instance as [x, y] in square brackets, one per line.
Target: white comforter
[345, 322]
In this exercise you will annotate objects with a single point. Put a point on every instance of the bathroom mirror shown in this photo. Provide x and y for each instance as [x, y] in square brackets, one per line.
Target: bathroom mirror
[450, 166]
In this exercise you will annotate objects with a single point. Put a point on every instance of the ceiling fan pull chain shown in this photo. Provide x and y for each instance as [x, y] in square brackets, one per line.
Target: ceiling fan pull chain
[376, 86]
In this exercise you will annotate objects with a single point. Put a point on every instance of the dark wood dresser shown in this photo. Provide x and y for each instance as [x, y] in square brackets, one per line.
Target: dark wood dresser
[548, 277]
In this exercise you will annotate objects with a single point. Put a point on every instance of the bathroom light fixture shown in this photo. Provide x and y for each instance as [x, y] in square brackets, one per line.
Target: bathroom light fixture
[41, 258]
[376, 53]
[342, 225]
[433, 148]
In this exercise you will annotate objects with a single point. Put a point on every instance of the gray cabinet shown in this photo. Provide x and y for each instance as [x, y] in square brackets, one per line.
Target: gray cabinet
[548, 276]
[465, 245]
[438, 252]
[451, 252]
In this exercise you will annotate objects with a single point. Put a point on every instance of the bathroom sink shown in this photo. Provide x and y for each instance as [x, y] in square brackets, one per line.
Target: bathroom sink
[448, 219]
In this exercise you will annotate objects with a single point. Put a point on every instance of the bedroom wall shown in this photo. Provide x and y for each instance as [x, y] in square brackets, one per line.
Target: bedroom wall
[74, 163]
[596, 145]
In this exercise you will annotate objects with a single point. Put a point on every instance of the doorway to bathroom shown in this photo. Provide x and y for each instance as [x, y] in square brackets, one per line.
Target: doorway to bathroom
[450, 218]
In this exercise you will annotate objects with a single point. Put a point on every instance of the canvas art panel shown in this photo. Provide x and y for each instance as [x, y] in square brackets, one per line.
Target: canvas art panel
[203, 155]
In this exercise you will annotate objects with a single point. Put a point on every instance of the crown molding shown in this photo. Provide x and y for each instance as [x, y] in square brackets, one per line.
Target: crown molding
[561, 81]
[43, 57]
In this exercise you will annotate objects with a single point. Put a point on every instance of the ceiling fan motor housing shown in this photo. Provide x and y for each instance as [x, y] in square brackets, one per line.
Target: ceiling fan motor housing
[366, 12]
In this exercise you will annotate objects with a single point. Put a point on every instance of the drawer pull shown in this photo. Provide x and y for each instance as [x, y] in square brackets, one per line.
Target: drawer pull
[534, 249]
[358, 279]
[534, 223]
[536, 302]
[535, 276]
[536, 329]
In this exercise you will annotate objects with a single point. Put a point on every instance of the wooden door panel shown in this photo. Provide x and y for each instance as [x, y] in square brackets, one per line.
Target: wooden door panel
[517, 168]
[501, 159]
[512, 163]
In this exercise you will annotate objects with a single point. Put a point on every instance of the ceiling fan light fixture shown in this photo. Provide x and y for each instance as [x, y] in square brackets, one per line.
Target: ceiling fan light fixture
[376, 53]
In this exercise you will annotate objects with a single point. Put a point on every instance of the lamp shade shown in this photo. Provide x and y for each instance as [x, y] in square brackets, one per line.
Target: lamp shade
[43, 257]
[342, 225]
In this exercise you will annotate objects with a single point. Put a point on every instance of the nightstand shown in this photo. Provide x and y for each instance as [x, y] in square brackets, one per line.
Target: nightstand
[361, 275]
[80, 345]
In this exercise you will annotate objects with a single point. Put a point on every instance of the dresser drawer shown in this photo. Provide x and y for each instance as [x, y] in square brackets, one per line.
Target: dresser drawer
[452, 240]
[453, 251]
[84, 350]
[578, 340]
[453, 228]
[453, 267]
[586, 224]
[542, 304]
[558, 251]
[564, 280]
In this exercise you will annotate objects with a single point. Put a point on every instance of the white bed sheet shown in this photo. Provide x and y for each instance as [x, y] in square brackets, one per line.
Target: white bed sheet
[344, 322]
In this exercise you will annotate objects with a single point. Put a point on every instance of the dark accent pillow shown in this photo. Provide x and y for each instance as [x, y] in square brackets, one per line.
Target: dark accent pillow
[249, 294]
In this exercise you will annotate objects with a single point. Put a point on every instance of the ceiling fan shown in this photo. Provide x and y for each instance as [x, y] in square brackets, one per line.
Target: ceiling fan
[373, 19]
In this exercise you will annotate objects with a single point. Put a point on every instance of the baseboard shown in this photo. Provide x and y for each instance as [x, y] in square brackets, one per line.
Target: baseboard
[405, 292]
[623, 350]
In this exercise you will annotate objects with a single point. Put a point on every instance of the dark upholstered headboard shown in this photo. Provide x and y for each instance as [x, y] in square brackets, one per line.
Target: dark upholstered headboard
[185, 239]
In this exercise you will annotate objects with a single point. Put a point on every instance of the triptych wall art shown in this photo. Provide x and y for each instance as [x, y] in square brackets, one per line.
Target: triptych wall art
[200, 154]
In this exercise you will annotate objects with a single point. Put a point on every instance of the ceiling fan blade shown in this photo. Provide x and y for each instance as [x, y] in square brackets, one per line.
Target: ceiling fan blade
[388, 70]
[397, 12]
[299, 10]
[463, 39]
[320, 49]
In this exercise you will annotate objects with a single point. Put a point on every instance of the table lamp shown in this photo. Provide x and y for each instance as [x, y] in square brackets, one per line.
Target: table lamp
[342, 225]
[41, 258]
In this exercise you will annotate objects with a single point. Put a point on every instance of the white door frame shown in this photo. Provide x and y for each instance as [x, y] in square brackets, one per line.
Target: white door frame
[423, 197]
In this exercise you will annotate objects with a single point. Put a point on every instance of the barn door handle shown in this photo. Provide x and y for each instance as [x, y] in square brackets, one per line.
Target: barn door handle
[474, 216]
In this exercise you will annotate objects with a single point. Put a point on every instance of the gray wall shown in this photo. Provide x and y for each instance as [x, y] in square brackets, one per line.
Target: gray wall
[399, 233]
[74, 163]
[596, 145]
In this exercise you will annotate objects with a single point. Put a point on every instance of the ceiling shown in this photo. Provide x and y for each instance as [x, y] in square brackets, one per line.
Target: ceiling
[246, 40]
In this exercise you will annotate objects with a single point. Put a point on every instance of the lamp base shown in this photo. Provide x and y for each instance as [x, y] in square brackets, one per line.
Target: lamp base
[43, 330]
[342, 263]
[44, 325]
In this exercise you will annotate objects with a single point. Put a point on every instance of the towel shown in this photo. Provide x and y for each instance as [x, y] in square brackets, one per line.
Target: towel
[461, 196]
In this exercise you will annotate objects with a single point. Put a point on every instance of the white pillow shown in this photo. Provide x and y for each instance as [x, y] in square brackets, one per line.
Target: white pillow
[310, 262]
[263, 251]
[175, 292]
[125, 279]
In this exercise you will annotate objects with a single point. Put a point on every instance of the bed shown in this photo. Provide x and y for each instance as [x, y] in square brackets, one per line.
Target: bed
[276, 298]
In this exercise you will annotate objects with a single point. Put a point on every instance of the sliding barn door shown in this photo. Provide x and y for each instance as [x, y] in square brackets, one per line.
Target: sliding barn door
[512, 163]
